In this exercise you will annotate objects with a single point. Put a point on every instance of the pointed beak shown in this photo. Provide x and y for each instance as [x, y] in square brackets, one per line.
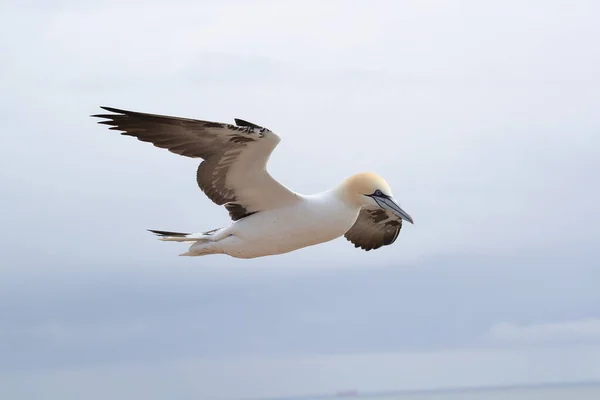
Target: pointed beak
[388, 203]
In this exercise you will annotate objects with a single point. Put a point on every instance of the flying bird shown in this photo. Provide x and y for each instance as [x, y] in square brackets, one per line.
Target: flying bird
[268, 218]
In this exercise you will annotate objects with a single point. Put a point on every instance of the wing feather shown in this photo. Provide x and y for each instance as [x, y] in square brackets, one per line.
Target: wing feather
[233, 171]
[374, 228]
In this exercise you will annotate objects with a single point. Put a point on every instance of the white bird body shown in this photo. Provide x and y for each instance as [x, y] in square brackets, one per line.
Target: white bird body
[268, 218]
[282, 230]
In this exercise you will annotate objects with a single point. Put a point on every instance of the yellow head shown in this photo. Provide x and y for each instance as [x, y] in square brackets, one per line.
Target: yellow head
[370, 189]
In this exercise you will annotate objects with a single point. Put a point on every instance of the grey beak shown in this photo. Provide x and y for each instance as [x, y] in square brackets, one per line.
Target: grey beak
[388, 203]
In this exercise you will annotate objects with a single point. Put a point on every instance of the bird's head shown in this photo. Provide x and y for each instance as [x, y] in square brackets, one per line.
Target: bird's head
[369, 189]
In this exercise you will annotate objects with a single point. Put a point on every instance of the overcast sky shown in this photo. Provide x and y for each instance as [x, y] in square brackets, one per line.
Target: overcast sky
[483, 117]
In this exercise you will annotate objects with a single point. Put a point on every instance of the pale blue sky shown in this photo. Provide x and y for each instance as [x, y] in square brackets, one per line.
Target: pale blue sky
[483, 117]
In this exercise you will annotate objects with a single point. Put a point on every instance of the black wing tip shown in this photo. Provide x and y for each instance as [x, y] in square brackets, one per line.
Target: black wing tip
[114, 110]
[241, 122]
[109, 109]
[167, 233]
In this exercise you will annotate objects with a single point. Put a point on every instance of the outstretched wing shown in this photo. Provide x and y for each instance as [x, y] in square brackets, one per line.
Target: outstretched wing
[374, 227]
[233, 171]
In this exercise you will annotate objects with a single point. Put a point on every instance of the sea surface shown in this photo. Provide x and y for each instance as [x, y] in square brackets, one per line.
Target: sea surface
[587, 391]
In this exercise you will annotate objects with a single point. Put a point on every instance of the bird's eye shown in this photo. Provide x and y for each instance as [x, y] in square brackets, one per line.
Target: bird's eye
[378, 192]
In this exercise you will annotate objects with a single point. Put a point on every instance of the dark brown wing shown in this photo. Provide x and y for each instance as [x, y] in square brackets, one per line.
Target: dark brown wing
[374, 228]
[233, 172]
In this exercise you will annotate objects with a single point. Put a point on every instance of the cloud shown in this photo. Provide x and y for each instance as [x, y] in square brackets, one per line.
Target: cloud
[476, 140]
[89, 316]
[583, 330]
[73, 332]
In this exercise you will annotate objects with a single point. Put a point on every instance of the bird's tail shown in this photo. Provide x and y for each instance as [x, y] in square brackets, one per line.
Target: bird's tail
[172, 236]
[182, 237]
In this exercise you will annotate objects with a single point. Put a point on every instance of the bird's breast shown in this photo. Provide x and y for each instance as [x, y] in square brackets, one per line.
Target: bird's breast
[310, 222]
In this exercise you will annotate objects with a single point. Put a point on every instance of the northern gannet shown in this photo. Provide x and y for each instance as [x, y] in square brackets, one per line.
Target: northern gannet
[268, 218]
